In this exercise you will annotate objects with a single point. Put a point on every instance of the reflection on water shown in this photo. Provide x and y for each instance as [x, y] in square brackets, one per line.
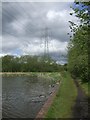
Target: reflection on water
[23, 96]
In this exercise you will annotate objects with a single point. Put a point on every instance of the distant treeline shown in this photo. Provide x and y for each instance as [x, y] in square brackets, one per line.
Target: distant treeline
[29, 64]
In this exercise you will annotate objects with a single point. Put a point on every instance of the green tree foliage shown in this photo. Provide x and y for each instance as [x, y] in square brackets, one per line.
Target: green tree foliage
[10, 64]
[0, 64]
[29, 64]
[78, 48]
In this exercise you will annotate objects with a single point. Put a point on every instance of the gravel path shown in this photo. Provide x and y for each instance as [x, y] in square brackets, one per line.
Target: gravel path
[82, 105]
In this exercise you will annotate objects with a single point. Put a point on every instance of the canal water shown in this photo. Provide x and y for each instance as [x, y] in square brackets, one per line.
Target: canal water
[23, 96]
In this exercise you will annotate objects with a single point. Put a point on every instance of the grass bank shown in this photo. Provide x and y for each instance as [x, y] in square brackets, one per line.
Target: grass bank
[65, 98]
[54, 77]
[85, 86]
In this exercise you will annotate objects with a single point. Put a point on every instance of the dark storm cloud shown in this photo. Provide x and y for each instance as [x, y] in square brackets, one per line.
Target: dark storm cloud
[35, 14]
[10, 13]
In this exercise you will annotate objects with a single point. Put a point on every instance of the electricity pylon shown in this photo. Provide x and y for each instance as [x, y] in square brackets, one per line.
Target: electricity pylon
[46, 43]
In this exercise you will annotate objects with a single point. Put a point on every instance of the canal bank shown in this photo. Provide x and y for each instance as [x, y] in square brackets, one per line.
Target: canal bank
[48, 103]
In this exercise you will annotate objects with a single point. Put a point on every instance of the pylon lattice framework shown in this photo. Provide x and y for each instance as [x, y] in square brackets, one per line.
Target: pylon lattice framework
[46, 43]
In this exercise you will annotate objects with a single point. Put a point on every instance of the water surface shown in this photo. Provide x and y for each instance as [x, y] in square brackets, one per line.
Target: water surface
[23, 96]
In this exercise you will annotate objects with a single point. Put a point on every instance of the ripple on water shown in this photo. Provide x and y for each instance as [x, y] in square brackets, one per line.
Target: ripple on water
[23, 98]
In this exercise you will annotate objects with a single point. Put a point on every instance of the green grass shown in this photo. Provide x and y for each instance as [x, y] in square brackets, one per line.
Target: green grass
[65, 99]
[85, 86]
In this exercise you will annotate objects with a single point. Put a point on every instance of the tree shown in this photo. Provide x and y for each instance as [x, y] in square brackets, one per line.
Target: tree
[28, 64]
[78, 49]
[7, 63]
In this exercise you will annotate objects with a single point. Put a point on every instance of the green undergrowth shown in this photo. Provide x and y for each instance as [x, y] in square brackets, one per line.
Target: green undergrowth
[85, 86]
[65, 99]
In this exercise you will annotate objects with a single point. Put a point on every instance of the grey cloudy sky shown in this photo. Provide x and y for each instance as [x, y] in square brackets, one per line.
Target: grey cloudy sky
[24, 23]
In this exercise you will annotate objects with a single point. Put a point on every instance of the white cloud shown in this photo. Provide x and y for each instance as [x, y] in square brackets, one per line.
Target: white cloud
[56, 46]
[56, 14]
[2, 54]
[61, 16]
[51, 15]
[36, 49]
